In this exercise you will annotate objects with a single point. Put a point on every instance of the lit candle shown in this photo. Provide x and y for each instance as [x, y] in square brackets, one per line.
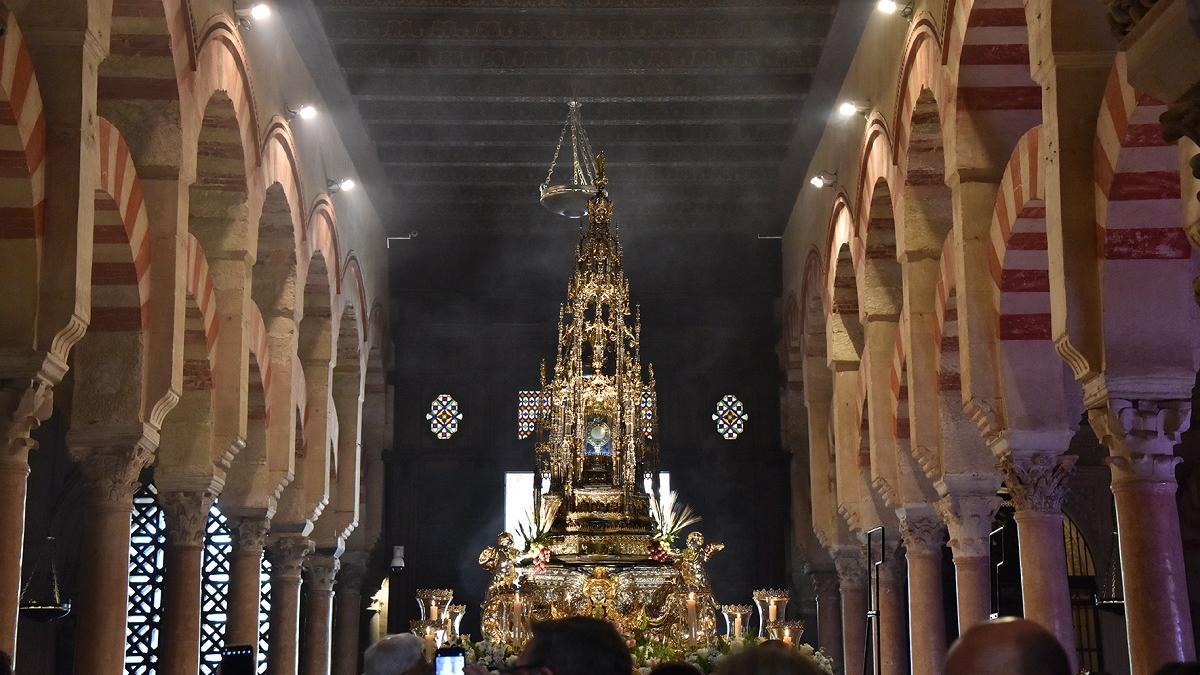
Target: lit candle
[430, 646]
[771, 618]
[787, 636]
[517, 617]
[433, 611]
[691, 617]
[737, 625]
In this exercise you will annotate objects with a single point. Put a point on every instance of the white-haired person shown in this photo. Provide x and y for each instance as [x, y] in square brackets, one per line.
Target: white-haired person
[393, 655]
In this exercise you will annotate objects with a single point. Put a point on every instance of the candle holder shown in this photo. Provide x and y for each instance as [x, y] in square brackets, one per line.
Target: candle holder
[788, 632]
[454, 616]
[432, 634]
[433, 603]
[737, 618]
[772, 603]
[518, 614]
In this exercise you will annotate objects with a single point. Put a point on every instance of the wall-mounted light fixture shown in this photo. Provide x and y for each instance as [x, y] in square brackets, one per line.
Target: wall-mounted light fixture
[847, 108]
[823, 179]
[892, 7]
[305, 111]
[340, 185]
[248, 12]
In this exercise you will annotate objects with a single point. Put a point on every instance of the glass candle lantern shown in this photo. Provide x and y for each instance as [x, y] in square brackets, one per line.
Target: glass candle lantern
[434, 603]
[772, 603]
[518, 613]
[737, 619]
[454, 616]
[432, 634]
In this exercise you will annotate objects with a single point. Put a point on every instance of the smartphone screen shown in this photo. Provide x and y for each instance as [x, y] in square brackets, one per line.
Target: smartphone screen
[449, 661]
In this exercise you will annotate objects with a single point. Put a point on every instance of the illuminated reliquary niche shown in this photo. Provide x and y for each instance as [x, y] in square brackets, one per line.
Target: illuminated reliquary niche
[598, 542]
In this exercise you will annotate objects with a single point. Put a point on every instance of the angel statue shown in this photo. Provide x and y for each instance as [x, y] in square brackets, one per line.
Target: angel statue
[500, 560]
[692, 560]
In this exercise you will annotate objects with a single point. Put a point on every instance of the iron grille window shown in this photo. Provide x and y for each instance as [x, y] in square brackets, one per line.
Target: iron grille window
[264, 614]
[1081, 579]
[214, 592]
[147, 537]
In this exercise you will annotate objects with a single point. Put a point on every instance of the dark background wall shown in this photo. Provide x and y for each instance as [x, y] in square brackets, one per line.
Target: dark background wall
[474, 315]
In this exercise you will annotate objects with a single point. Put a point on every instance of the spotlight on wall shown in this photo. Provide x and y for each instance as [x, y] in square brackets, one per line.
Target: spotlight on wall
[248, 11]
[340, 185]
[892, 7]
[823, 179]
[848, 109]
[304, 112]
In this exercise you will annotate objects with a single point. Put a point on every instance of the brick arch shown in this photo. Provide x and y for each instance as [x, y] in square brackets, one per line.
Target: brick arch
[877, 162]
[121, 252]
[321, 235]
[221, 65]
[997, 101]
[22, 203]
[220, 191]
[1142, 245]
[881, 275]
[920, 71]
[353, 289]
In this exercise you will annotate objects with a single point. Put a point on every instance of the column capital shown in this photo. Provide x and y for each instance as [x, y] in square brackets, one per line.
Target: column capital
[922, 533]
[287, 554]
[26, 404]
[825, 582]
[353, 572]
[250, 534]
[110, 475]
[968, 518]
[851, 564]
[186, 515]
[1038, 481]
[322, 570]
[1141, 437]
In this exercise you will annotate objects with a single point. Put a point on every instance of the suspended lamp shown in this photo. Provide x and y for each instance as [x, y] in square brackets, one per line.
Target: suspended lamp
[567, 191]
[50, 606]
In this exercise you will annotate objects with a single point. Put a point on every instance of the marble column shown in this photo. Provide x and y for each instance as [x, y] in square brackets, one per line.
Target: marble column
[923, 536]
[969, 518]
[1141, 437]
[110, 477]
[829, 611]
[322, 570]
[348, 609]
[245, 580]
[1038, 484]
[851, 564]
[186, 514]
[893, 626]
[24, 408]
[287, 554]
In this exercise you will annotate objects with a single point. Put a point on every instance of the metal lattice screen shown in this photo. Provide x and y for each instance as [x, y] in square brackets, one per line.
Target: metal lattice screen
[214, 591]
[147, 536]
[264, 614]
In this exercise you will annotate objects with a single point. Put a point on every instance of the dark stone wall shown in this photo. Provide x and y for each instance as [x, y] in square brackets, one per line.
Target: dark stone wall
[474, 316]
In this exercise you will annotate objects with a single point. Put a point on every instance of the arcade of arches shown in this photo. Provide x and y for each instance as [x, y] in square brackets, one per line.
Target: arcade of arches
[988, 353]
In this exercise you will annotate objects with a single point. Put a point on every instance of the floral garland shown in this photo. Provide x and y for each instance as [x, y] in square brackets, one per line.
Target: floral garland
[496, 656]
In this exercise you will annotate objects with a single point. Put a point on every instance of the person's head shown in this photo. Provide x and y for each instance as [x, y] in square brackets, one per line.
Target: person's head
[1007, 646]
[767, 660]
[575, 646]
[675, 668]
[393, 655]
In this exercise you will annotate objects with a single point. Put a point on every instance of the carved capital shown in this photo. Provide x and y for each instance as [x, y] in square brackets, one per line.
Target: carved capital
[1141, 437]
[922, 534]
[969, 520]
[851, 564]
[287, 555]
[110, 475]
[825, 583]
[322, 570]
[25, 404]
[186, 515]
[1037, 482]
[250, 534]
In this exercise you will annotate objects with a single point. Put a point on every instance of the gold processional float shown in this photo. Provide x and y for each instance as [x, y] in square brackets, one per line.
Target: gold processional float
[598, 543]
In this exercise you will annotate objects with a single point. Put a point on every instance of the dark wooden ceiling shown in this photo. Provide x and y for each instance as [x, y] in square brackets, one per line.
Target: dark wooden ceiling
[695, 101]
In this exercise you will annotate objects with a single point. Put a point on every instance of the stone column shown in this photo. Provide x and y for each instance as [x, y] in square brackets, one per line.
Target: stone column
[1141, 437]
[348, 614]
[851, 564]
[186, 515]
[245, 581]
[110, 477]
[287, 555]
[322, 569]
[893, 628]
[24, 408]
[969, 518]
[829, 611]
[1038, 484]
[923, 538]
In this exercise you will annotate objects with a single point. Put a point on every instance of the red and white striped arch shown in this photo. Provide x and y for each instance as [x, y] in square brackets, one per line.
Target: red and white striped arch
[200, 287]
[221, 67]
[921, 70]
[121, 251]
[946, 329]
[22, 138]
[1019, 262]
[260, 349]
[148, 38]
[988, 41]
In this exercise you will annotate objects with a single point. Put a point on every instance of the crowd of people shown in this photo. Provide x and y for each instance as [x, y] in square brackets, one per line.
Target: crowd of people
[585, 646]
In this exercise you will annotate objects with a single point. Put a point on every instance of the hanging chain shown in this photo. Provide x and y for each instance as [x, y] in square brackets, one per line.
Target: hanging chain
[557, 148]
[582, 160]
